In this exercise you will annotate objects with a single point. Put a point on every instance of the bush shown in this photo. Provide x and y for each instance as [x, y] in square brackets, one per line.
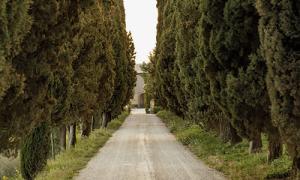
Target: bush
[34, 152]
[156, 109]
[189, 135]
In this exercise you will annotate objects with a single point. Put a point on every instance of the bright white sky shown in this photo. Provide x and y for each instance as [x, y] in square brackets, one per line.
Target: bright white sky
[141, 20]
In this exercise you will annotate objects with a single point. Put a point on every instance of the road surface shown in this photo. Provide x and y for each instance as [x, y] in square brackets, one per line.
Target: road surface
[144, 149]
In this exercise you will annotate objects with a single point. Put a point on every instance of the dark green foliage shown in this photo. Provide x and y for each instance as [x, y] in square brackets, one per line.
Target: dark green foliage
[124, 55]
[188, 15]
[149, 87]
[61, 62]
[130, 71]
[44, 62]
[165, 57]
[180, 64]
[244, 84]
[235, 70]
[93, 77]
[208, 68]
[34, 151]
[15, 23]
[280, 36]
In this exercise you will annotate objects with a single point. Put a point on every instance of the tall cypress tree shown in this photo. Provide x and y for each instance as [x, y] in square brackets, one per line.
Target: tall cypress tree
[280, 37]
[213, 58]
[115, 105]
[188, 15]
[107, 81]
[33, 62]
[60, 64]
[46, 62]
[190, 62]
[247, 98]
[93, 69]
[15, 23]
[130, 69]
[149, 78]
[165, 57]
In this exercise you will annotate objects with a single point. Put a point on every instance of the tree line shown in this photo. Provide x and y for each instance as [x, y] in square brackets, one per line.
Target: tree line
[233, 67]
[62, 64]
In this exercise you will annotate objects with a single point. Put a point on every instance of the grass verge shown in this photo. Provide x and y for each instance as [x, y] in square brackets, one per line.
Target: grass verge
[234, 161]
[67, 164]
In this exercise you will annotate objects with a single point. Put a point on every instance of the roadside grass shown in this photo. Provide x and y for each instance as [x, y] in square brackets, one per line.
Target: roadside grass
[67, 164]
[234, 161]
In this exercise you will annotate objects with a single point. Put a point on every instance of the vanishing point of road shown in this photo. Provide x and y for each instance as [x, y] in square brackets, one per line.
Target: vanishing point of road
[144, 149]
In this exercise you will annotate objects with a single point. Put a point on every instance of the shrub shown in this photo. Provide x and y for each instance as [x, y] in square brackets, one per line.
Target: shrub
[189, 135]
[34, 152]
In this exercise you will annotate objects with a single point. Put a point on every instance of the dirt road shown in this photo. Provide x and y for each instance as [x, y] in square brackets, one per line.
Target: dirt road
[144, 149]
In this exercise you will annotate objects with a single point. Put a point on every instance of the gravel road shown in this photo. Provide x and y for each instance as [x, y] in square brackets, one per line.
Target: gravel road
[144, 149]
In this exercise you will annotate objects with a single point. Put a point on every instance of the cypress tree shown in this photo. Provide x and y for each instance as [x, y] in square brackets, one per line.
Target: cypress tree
[15, 23]
[214, 61]
[35, 151]
[165, 57]
[280, 37]
[130, 69]
[149, 78]
[245, 88]
[154, 56]
[45, 61]
[93, 68]
[61, 86]
[116, 104]
[188, 15]
[190, 62]
[62, 63]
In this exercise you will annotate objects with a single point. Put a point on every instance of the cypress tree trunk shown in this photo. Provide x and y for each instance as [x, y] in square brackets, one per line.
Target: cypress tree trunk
[280, 37]
[275, 146]
[72, 135]
[86, 128]
[62, 138]
[296, 167]
[234, 137]
[255, 144]
[92, 123]
[52, 145]
[35, 151]
[106, 119]
[228, 133]
[224, 131]
[97, 121]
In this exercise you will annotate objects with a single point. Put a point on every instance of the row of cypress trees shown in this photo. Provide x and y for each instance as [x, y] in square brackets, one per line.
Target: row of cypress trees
[233, 67]
[61, 63]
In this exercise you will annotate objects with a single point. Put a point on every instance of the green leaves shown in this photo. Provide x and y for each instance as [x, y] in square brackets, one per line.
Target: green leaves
[212, 60]
[35, 151]
[15, 23]
[59, 62]
[279, 35]
[124, 55]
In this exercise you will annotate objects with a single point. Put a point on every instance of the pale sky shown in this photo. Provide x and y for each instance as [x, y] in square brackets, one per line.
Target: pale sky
[141, 20]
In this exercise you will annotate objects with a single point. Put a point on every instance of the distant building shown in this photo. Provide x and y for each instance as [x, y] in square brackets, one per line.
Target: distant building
[138, 100]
